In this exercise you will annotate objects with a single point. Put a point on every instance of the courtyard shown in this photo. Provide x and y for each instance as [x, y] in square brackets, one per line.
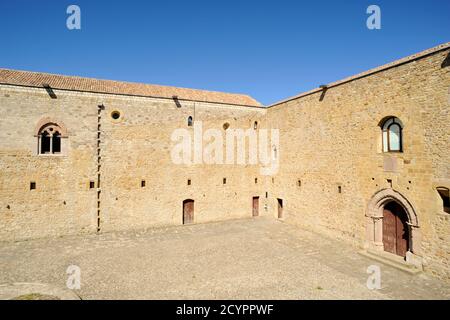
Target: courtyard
[257, 258]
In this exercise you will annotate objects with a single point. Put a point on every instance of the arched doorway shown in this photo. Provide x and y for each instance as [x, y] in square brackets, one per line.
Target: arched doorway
[188, 211]
[395, 229]
[392, 226]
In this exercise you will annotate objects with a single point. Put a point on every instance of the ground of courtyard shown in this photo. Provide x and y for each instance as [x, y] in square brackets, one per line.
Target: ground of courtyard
[241, 259]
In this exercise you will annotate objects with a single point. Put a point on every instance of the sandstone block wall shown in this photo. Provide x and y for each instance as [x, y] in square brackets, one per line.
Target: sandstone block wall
[62, 202]
[138, 147]
[334, 139]
[330, 153]
[134, 148]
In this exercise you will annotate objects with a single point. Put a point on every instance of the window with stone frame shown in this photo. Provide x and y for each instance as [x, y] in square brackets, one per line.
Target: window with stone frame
[49, 139]
[392, 138]
[445, 196]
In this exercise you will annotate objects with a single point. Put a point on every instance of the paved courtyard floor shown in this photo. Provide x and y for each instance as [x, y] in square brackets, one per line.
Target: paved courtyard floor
[241, 259]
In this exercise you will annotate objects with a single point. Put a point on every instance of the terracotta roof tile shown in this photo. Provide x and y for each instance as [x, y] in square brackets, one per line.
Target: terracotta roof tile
[37, 79]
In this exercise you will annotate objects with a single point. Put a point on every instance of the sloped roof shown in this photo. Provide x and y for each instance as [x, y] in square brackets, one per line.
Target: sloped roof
[38, 79]
[384, 67]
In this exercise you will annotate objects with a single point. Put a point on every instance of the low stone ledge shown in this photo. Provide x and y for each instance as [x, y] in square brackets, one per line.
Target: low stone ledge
[393, 261]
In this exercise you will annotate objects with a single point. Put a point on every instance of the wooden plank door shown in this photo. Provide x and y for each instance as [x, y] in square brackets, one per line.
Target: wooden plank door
[389, 231]
[402, 235]
[395, 229]
[188, 211]
[255, 211]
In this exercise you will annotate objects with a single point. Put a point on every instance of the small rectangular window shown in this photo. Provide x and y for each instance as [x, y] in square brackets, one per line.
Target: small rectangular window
[224, 180]
[91, 184]
[256, 180]
[142, 183]
[445, 195]
[32, 185]
[189, 182]
[339, 189]
[299, 183]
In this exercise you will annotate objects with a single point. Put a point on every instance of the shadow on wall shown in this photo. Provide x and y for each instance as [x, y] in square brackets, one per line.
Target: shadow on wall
[446, 61]
[177, 102]
[50, 91]
[324, 91]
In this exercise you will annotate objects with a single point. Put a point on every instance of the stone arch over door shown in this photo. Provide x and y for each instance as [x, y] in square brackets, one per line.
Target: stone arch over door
[374, 216]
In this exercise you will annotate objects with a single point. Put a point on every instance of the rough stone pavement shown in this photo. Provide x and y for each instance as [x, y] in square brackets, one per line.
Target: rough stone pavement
[241, 259]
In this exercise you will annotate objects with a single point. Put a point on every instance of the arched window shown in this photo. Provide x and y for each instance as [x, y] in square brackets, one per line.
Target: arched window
[49, 139]
[255, 125]
[190, 122]
[392, 135]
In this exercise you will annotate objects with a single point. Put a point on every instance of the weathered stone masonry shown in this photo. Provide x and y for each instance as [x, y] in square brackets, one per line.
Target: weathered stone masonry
[114, 171]
[336, 151]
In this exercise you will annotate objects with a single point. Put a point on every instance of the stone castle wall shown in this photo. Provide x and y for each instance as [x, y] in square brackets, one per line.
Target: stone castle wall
[62, 202]
[329, 141]
[134, 148]
[334, 139]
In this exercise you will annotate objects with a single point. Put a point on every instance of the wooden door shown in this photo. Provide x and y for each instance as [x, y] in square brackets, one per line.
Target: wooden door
[395, 229]
[188, 211]
[389, 231]
[255, 211]
[402, 232]
[280, 208]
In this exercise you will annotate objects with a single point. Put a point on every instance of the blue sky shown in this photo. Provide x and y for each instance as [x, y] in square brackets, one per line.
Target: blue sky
[268, 49]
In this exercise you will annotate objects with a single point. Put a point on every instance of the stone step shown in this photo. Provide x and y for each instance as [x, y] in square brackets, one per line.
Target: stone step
[390, 260]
